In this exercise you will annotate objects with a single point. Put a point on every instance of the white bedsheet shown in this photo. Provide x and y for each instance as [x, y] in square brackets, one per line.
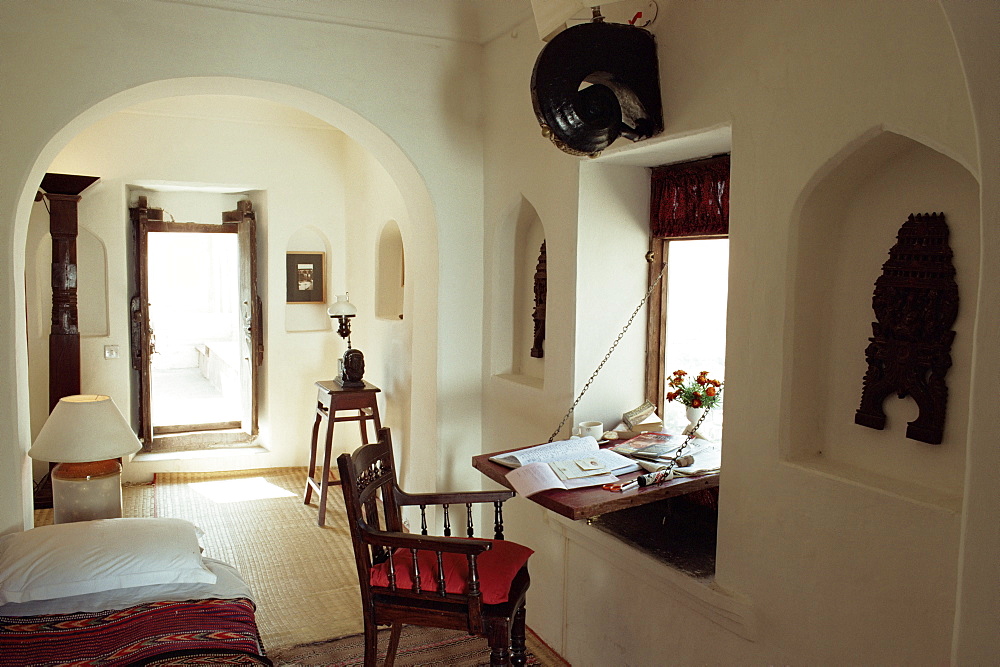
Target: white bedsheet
[228, 586]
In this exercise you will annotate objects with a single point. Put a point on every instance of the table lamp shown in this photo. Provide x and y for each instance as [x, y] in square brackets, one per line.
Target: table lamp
[352, 364]
[86, 435]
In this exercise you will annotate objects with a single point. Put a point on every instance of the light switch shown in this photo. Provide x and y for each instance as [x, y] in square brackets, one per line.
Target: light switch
[110, 351]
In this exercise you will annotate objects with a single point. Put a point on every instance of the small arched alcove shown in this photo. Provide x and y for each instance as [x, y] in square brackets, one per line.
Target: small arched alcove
[529, 294]
[848, 219]
[391, 273]
[92, 260]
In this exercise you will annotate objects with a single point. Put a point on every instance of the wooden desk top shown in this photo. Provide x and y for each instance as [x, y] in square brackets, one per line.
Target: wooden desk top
[593, 501]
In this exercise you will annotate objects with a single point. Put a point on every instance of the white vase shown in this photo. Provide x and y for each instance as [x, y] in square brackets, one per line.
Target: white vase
[693, 415]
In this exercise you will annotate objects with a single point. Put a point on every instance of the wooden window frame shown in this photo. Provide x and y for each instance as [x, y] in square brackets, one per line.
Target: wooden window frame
[688, 201]
[656, 327]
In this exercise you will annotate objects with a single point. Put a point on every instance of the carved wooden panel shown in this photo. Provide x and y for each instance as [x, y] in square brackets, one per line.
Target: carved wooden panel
[915, 304]
[538, 314]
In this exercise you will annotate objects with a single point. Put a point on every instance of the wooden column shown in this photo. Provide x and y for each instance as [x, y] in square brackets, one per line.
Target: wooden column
[63, 192]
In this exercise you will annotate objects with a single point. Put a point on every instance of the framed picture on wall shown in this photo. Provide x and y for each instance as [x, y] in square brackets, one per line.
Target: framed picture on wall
[305, 277]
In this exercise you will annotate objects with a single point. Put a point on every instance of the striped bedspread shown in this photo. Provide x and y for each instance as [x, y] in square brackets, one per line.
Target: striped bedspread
[208, 632]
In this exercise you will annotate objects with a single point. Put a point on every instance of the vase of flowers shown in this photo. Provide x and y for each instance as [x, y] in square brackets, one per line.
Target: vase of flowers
[697, 395]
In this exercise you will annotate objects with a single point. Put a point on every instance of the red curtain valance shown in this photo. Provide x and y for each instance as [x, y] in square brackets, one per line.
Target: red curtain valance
[690, 199]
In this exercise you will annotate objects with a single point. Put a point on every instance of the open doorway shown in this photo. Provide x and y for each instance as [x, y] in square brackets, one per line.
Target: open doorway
[195, 330]
[194, 319]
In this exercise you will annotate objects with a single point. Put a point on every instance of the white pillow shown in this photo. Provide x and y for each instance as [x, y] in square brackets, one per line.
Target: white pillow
[229, 586]
[91, 556]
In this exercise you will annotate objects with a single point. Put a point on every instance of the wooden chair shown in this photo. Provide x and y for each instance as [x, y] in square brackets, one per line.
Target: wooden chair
[474, 585]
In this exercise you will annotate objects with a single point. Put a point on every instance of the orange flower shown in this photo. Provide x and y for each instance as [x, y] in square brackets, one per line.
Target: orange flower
[696, 402]
[710, 391]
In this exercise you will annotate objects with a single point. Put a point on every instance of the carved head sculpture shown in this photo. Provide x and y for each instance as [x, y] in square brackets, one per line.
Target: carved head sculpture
[595, 82]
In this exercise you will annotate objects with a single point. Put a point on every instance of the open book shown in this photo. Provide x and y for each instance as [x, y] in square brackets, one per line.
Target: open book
[540, 476]
[567, 450]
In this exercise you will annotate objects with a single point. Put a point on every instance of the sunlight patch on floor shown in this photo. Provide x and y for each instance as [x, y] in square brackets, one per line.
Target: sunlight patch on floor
[239, 490]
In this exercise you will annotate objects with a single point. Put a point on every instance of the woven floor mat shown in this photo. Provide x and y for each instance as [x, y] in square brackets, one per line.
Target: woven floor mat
[303, 577]
[417, 647]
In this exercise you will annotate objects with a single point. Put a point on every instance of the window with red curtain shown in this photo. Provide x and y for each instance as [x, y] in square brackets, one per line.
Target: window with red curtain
[688, 201]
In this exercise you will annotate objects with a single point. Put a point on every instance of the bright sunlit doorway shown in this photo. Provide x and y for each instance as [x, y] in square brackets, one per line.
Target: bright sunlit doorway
[196, 325]
[194, 317]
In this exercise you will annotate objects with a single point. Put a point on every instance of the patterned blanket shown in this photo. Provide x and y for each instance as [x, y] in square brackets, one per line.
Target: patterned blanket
[199, 632]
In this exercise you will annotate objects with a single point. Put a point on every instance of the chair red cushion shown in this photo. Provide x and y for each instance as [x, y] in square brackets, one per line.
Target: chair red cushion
[497, 569]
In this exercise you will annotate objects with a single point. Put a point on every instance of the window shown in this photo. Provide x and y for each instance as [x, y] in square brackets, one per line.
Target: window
[695, 332]
[689, 225]
[689, 244]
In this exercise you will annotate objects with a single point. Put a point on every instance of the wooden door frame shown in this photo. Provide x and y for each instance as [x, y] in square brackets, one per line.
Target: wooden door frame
[146, 220]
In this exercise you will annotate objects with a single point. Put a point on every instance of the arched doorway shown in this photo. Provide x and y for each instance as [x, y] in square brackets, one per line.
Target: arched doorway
[380, 148]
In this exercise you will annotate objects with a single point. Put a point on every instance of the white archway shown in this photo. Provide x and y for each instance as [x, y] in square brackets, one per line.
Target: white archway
[421, 215]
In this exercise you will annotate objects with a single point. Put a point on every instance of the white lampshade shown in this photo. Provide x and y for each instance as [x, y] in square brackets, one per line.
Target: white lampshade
[342, 308]
[84, 428]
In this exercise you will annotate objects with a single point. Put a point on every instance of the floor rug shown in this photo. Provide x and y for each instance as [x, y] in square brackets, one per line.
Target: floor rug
[303, 577]
[417, 646]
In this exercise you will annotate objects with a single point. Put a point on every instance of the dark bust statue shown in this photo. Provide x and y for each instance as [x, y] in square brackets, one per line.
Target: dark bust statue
[354, 368]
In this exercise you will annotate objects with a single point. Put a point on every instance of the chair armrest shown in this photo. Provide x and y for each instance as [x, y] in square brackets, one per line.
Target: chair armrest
[404, 498]
[459, 545]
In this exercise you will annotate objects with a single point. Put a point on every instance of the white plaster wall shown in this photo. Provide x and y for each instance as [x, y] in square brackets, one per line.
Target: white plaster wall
[812, 568]
[387, 343]
[974, 27]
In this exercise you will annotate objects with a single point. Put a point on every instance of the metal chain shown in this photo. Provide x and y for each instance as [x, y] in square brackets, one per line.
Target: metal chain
[666, 474]
[608, 355]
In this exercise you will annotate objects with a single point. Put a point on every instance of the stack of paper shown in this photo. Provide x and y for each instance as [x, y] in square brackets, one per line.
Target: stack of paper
[707, 458]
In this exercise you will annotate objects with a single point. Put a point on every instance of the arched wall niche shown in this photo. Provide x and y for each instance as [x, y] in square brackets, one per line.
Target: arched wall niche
[529, 234]
[390, 278]
[92, 286]
[92, 258]
[848, 219]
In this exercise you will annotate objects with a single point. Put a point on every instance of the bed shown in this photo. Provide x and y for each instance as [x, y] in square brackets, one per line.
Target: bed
[122, 592]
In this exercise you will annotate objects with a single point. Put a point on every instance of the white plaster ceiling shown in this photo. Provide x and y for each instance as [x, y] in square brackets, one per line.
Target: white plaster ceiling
[476, 21]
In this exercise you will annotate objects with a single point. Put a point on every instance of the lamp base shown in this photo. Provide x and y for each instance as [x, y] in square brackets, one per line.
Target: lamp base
[85, 491]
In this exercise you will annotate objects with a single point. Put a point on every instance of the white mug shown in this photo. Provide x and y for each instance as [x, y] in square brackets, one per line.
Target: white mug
[595, 429]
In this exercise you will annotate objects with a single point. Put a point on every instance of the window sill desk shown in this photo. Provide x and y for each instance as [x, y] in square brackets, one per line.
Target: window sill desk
[594, 501]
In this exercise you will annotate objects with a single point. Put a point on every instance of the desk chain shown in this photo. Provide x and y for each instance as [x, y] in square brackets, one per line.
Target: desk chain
[608, 355]
[667, 474]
